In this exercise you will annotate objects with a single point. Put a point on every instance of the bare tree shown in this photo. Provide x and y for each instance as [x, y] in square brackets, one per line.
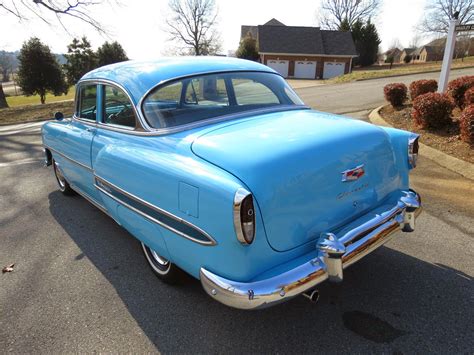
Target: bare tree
[438, 13]
[43, 9]
[395, 43]
[60, 9]
[334, 13]
[415, 41]
[193, 23]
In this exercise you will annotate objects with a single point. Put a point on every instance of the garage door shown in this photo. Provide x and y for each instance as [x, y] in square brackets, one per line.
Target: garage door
[281, 66]
[332, 69]
[305, 70]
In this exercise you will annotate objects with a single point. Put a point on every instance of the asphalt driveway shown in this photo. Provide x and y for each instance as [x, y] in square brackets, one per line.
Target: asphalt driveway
[81, 284]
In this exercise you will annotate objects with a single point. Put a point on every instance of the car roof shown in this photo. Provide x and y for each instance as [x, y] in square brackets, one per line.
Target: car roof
[138, 77]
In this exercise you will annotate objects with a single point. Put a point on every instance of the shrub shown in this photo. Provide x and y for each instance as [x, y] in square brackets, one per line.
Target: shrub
[407, 59]
[420, 87]
[469, 97]
[467, 125]
[458, 87]
[432, 110]
[395, 93]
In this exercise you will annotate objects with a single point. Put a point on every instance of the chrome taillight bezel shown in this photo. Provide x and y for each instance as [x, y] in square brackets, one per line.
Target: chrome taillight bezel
[413, 147]
[242, 195]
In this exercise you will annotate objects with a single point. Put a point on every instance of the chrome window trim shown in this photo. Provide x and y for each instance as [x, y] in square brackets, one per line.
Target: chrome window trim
[239, 196]
[150, 131]
[229, 117]
[111, 127]
[211, 241]
[68, 158]
[162, 131]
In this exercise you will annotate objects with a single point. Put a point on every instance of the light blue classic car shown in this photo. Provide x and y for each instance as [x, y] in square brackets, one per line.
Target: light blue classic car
[221, 171]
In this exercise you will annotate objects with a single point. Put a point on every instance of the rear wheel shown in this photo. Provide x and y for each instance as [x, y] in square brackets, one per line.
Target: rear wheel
[162, 267]
[64, 186]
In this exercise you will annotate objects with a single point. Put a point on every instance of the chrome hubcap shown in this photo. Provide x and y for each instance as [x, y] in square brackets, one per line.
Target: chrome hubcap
[159, 259]
[59, 176]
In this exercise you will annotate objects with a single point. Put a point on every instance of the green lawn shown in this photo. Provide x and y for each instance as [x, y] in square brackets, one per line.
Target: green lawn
[377, 72]
[21, 100]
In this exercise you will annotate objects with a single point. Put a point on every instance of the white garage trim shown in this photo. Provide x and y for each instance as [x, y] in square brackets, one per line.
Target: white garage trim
[333, 69]
[305, 69]
[280, 66]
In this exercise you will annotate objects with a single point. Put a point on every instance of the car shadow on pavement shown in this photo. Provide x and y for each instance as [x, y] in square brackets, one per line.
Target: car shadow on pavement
[389, 301]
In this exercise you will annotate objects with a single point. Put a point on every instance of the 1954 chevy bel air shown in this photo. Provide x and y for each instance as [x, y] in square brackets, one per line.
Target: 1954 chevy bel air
[220, 170]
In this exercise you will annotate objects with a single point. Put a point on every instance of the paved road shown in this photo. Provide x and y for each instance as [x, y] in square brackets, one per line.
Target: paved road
[359, 98]
[81, 284]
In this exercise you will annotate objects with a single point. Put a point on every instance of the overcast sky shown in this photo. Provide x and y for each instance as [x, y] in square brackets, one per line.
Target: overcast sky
[139, 24]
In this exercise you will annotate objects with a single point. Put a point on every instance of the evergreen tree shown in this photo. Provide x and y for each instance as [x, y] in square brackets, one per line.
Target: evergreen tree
[80, 60]
[248, 48]
[110, 53]
[39, 72]
[367, 41]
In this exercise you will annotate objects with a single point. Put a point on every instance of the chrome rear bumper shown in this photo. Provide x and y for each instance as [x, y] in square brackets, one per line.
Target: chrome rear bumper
[335, 253]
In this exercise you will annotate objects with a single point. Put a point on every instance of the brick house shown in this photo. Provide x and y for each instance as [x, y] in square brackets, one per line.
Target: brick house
[428, 54]
[303, 52]
[405, 52]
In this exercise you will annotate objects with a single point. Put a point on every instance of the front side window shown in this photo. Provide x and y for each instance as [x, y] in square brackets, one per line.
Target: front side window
[87, 107]
[203, 97]
[118, 109]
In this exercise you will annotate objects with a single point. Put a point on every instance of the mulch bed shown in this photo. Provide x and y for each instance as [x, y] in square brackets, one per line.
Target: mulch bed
[447, 139]
[31, 113]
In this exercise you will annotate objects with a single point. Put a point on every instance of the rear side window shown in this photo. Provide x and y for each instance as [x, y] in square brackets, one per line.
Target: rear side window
[87, 106]
[118, 110]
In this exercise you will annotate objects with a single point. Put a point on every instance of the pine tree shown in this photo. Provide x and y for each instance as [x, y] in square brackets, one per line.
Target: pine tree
[248, 48]
[367, 41]
[80, 60]
[39, 71]
[110, 53]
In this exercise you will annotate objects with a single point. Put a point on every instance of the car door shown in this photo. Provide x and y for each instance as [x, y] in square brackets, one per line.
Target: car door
[77, 142]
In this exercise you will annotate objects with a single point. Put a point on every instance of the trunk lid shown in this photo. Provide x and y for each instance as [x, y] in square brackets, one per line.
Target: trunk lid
[293, 162]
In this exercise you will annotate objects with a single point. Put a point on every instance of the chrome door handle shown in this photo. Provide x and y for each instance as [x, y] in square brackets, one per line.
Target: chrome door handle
[90, 129]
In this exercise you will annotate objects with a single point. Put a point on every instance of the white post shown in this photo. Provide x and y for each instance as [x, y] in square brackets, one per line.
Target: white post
[448, 56]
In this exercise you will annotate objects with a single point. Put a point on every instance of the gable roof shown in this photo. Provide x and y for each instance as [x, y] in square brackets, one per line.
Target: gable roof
[274, 22]
[409, 50]
[304, 40]
[289, 39]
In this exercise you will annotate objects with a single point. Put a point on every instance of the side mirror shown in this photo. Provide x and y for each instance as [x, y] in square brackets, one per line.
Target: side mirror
[59, 116]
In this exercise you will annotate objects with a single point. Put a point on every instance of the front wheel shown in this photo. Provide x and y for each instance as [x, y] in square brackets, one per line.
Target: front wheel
[161, 267]
[64, 186]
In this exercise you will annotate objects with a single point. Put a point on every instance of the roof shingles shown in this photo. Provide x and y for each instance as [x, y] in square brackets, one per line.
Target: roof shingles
[283, 39]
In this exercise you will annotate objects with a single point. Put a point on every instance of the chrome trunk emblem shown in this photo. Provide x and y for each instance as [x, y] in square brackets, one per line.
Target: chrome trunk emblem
[353, 174]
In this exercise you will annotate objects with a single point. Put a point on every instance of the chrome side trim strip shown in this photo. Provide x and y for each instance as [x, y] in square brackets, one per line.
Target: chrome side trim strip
[161, 217]
[330, 258]
[90, 199]
[68, 158]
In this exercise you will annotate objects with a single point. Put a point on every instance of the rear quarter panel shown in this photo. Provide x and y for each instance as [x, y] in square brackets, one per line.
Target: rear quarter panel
[152, 168]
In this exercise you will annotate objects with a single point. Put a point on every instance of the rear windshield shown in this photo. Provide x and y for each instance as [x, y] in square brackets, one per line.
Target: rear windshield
[202, 97]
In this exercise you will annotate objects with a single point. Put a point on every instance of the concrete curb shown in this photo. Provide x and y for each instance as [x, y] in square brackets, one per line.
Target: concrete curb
[454, 164]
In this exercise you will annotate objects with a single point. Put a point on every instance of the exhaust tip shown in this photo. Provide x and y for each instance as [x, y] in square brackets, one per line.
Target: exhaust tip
[313, 296]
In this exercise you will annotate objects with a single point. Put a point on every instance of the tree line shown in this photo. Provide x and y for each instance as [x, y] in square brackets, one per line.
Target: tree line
[39, 71]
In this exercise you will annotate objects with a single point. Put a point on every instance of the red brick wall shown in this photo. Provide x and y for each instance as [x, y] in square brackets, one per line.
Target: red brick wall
[319, 65]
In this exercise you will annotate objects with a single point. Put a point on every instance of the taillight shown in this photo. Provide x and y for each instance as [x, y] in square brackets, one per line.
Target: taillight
[413, 146]
[244, 216]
